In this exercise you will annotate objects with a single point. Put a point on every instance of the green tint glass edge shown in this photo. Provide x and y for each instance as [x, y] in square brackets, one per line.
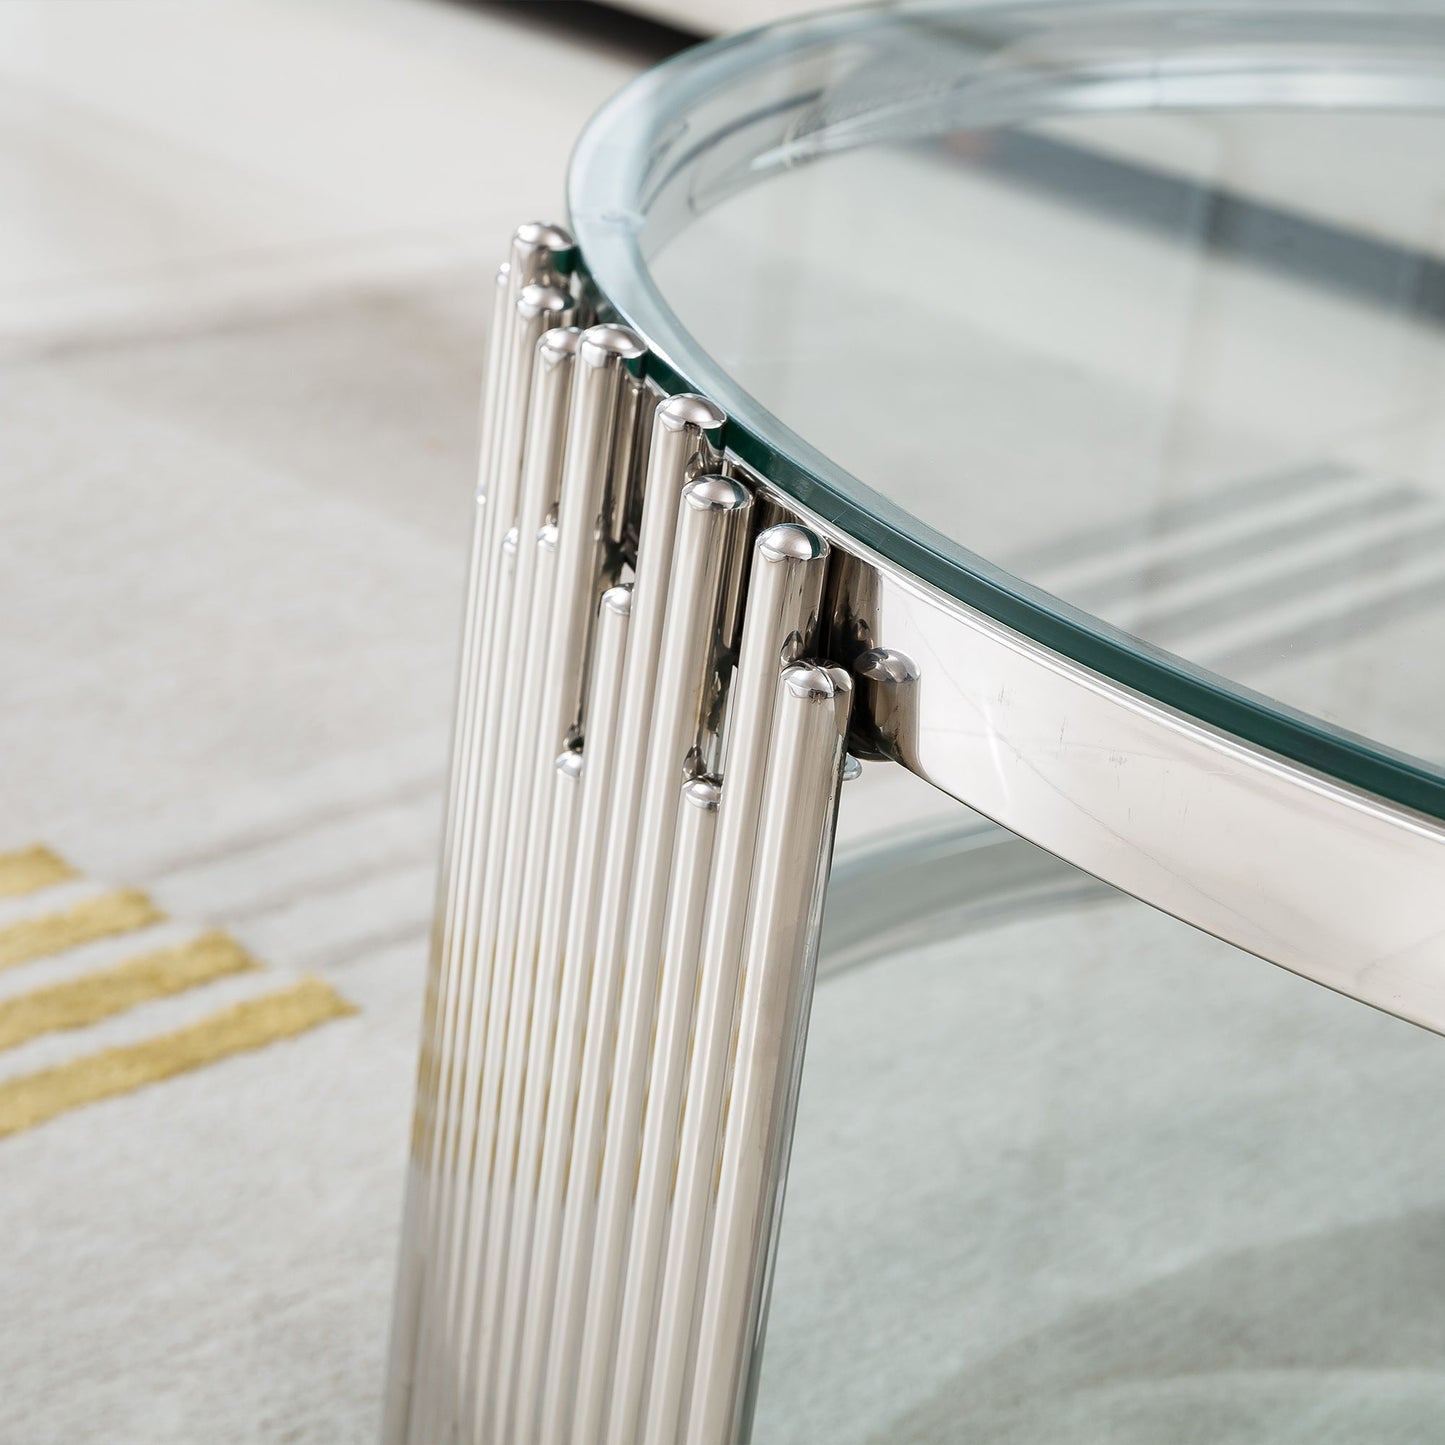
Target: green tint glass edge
[1156, 675]
[611, 257]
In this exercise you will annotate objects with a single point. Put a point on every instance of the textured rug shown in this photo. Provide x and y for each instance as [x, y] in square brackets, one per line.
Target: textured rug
[231, 584]
[1081, 1175]
[242, 319]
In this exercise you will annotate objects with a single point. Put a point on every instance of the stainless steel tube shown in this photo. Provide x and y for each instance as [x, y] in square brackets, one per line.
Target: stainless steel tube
[538, 308]
[636, 406]
[685, 440]
[401, 1351]
[540, 253]
[606, 357]
[585, 563]
[530, 1346]
[484, 885]
[516, 760]
[784, 599]
[433, 1350]
[533, 685]
[488, 531]
[687, 900]
[495, 1387]
[509, 876]
[686, 435]
[483, 561]
[794, 848]
[602, 401]
[502, 301]
[585, 558]
[511, 738]
[600, 729]
[692, 657]
[705, 523]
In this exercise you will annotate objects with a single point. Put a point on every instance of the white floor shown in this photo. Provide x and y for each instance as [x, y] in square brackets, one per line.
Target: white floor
[1085, 1176]
[159, 156]
[243, 258]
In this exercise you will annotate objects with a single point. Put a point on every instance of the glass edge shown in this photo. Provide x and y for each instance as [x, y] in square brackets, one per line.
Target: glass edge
[774, 451]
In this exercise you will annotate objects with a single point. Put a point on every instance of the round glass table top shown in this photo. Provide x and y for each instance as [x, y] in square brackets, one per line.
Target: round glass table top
[1121, 323]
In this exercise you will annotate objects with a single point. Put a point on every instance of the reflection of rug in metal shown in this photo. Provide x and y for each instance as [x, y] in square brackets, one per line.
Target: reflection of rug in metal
[101, 994]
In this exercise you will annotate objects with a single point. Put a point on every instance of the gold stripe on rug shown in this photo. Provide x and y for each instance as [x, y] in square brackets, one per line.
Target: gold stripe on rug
[32, 869]
[35, 1098]
[80, 1002]
[103, 917]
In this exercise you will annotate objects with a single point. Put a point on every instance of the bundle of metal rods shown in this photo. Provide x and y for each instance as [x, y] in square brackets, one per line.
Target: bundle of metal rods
[645, 771]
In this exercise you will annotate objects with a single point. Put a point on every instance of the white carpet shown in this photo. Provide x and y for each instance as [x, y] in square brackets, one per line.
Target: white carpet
[1084, 1177]
[242, 320]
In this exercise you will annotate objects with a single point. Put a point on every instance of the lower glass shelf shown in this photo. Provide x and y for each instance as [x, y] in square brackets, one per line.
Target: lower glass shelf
[1067, 1169]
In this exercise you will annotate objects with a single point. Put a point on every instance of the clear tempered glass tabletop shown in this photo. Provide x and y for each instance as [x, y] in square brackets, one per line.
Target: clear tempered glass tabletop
[1121, 323]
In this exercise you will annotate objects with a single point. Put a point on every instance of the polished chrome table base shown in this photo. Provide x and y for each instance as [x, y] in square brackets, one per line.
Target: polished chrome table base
[645, 773]
[663, 656]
